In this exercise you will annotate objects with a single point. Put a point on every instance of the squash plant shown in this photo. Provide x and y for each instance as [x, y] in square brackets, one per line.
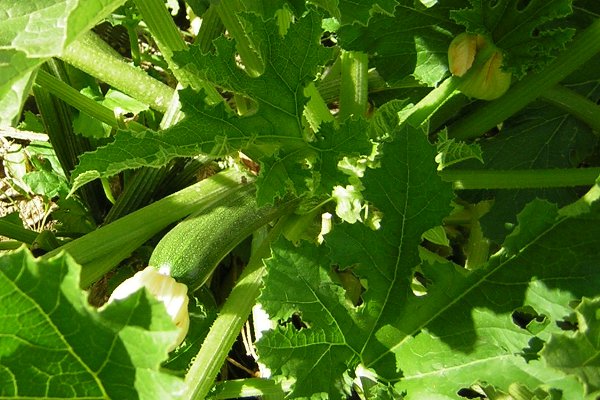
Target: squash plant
[419, 180]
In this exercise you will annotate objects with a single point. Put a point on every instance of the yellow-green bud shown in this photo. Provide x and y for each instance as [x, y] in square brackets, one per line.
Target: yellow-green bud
[461, 52]
[487, 81]
[479, 78]
[165, 289]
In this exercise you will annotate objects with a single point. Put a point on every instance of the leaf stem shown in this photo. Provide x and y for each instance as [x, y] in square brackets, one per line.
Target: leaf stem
[520, 179]
[583, 47]
[210, 29]
[168, 38]
[576, 104]
[83, 103]
[427, 106]
[354, 84]
[90, 56]
[251, 387]
[58, 122]
[17, 232]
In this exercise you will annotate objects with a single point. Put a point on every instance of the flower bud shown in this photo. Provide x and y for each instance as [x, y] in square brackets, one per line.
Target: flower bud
[487, 81]
[165, 289]
[477, 64]
[461, 52]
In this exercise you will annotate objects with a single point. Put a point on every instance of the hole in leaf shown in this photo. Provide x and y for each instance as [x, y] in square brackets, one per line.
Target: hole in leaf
[469, 393]
[419, 284]
[351, 284]
[296, 321]
[527, 318]
[328, 39]
[568, 324]
[531, 353]
[522, 5]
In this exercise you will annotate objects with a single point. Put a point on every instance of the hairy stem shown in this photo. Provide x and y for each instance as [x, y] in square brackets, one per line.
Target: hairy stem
[520, 179]
[169, 40]
[228, 12]
[83, 103]
[354, 85]
[89, 55]
[575, 104]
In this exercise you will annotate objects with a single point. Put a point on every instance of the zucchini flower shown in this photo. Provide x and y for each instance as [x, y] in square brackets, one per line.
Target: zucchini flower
[165, 289]
[477, 63]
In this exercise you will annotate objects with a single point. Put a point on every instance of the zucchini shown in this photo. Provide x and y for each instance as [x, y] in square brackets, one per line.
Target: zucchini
[192, 250]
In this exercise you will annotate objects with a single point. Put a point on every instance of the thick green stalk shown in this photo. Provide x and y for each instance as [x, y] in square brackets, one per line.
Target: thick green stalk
[58, 122]
[428, 105]
[146, 182]
[90, 56]
[316, 110]
[167, 35]
[83, 103]
[520, 179]
[138, 188]
[205, 367]
[354, 84]
[329, 86]
[101, 250]
[575, 104]
[581, 49]
[211, 28]
[17, 232]
[10, 245]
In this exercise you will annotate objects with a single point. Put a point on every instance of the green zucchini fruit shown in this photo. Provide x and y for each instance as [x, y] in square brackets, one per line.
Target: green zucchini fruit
[192, 250]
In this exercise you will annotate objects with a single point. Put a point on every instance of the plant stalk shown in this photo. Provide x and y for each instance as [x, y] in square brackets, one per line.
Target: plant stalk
[575, 104]
[17, 232]
[89, 55]
[354, 85]
[520, 179]
[58, 122]
[168, 38]
[249, 54]
[77, 100]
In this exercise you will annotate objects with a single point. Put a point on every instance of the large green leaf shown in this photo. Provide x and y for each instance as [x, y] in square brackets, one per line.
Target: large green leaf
[519, 28]
[53, 344]
[33, 31]
[414, 41]
[466, 328]
[466, 322]
[413, 199]
[273, 135]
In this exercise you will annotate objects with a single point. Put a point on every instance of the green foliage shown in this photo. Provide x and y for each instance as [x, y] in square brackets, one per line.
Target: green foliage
[33, 32]
[54, 345]
[519, 28]
[578, 354]
[395, 282]
[337, 331]
[274, 133]
[414, 41]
